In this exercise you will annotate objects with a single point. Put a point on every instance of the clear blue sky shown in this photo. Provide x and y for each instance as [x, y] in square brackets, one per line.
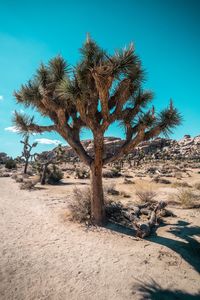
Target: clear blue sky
[166, 34]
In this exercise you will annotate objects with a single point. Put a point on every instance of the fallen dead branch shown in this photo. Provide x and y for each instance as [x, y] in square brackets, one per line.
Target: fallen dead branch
[144, 229]
[141, 218]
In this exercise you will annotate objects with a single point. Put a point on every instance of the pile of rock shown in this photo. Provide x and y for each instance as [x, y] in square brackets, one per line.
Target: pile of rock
[158, 149]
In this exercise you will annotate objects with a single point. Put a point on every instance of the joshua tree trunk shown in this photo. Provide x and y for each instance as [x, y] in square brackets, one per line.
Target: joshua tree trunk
[97, 197]
[43, 177]
[25, 167]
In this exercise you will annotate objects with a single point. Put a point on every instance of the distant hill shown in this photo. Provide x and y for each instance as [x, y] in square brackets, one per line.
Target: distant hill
[186, 148]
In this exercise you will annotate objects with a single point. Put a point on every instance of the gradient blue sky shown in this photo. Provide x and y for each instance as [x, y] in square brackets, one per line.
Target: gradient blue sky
[166, 35]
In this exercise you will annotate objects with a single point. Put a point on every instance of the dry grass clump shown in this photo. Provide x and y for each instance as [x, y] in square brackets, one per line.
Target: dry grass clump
[27, 185]
[145, 193]
[187, 199]
[182, 184]
[80, 206]
[146, 196]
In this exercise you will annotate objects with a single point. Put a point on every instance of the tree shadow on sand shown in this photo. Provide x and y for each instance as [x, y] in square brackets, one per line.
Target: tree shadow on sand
[153, 291]
[188, 248]
[61, 183]
[120, 229]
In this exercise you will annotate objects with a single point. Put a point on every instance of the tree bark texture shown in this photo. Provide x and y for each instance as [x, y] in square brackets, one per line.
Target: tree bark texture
[97, 197]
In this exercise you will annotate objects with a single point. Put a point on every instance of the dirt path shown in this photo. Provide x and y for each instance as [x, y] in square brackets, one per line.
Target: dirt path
[43, 258]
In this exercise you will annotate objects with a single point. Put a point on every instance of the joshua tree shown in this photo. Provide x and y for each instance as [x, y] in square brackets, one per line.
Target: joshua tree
[26, 153]
[100, 90]
[44, 159]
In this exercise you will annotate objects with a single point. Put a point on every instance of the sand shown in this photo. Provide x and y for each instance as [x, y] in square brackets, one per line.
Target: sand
[43, 256]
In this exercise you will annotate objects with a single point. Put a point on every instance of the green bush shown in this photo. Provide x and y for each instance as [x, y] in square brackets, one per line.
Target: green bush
[54, 175]
[82, 173]
[10, 164]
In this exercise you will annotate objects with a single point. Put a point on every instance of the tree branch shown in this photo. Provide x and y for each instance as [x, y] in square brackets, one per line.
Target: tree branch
[72, 137]
[25, 124]
[128, 145]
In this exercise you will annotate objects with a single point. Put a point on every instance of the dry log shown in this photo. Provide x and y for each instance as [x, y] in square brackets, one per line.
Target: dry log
[144, 229]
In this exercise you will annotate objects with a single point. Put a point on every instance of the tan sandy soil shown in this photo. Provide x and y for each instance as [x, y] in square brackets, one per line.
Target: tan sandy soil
[44, 257]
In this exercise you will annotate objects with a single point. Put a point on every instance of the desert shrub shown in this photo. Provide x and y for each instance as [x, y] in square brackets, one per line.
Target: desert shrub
[54, 175]
[27, 185]
[14, 176]
[197, 186]
[128, 181]
[19, 179]
[25, 175]
[116, 171]
[80, 206]
[181, 184]
[29, 172]
[107, 174]
[124, 194]
[113, 173]
[127, 175]
[146, 195]
[114, 210]
[10, 164]
[111, 190]
[152, 170]
[161, 180]
[82, 173]
[186, 198]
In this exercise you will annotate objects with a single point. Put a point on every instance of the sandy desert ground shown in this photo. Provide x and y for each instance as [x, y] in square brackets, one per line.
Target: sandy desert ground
[45, 256]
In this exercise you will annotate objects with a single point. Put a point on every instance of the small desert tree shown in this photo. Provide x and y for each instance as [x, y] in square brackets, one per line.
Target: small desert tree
[46, 158]
[26, 153]
[100, 90]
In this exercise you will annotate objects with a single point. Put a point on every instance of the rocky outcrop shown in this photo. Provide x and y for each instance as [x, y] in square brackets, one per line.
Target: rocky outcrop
[159, 148]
